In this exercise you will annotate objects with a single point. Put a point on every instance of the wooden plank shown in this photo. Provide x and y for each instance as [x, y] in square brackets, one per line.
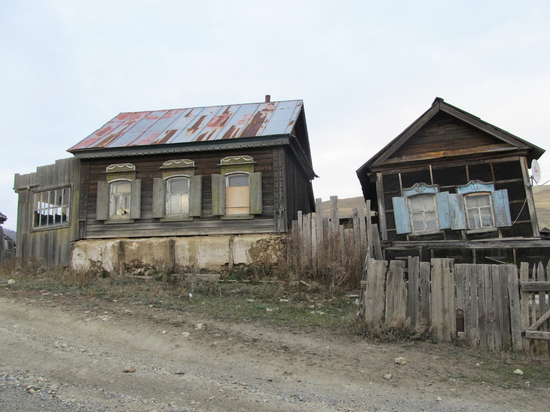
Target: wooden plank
[436, 303]
[543, 307]
[319, 220]
[471, 294]
[524, 303]
[532, 334]
[356, 232]
[449, 300]
[381, 206]
[505, 306]
[369, 229]
[515, 309]
[334, 221]
[481, 306]
[489, 308]
[362, 234]
[374, 292]
[497, 307]
[396, 294]
[529, 196]
[412, 306]
[535, 286]
[376, 243]
[425, 290]
[540, 321]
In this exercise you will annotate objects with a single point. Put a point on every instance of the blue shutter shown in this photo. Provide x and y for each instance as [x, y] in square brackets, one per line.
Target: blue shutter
[401, 215]
[443, 210]
[502, 208]
[458, 216]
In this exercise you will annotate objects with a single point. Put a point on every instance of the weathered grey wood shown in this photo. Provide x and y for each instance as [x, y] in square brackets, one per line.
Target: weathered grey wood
[497, 307]
[376, 243]
[374, 293]
[135, 199]
[381, 206]
[319, 220]
[370, 240]
[515, 310]
[505, 305]
[529, 196]
[472, 294]
[362, 234]
[356, 230]
[396, 294]
[524, 302]
[314, 238]
[412, 307]
[531, 334]
[334, 221]
[436, 308]
[540, 321]
[536, 286]
[541, 277]
[489, 308]
[482, 307]
[425, 290]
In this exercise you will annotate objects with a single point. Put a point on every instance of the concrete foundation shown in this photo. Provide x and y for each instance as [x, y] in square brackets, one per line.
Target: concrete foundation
[213, 253]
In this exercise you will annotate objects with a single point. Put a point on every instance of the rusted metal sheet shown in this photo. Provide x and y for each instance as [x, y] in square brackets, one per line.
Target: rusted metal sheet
[194, 125]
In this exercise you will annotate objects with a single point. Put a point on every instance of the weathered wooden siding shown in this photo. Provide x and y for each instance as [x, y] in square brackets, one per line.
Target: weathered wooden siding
[148, 168]
[52, 245]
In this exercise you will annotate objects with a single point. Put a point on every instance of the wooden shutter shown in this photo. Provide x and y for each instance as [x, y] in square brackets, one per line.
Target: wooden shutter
[218, 195]
[401, 215]
[159, 198]
[443, 210]
[458, 216]
[502, 208]
[256, 193]
[135, 200]
[102, 207]
[195, 196]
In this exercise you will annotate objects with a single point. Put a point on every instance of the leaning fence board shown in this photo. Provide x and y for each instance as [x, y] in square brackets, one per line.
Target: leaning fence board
[425, 295]
[541, 277]
[515, 310]
[524, 277]
[497, 308]
[442, 308]
[396, 294]
[374, 293]
[412, 307]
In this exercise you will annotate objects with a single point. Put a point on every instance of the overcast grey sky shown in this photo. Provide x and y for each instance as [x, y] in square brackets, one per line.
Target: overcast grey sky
[365, 70]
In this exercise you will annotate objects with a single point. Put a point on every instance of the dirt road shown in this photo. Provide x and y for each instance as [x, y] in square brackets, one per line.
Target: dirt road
[90, 355]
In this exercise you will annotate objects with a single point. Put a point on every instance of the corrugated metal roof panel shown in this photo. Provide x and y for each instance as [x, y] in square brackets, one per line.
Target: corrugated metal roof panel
[194, 125]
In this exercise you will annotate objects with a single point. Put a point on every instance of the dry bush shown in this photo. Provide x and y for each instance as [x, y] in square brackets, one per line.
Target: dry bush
[335, 262]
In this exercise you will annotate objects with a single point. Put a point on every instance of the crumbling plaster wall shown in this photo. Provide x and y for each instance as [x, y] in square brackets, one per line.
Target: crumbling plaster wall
[213, 253]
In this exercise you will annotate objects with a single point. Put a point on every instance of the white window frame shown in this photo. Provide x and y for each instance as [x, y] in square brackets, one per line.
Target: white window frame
[46, 210]
[115, 208]
[468, 210]
[181, 196]
[424, 231]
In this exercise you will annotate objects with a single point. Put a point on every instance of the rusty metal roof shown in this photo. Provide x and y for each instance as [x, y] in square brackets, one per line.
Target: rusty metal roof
[196, 124]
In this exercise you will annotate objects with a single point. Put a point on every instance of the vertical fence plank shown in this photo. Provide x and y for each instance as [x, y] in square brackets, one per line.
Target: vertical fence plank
[473, 303]
[319, 220]
[412, 307]
[362, 234]
[481, 307]
[396, 294]
[334, 221]
[489, 310]
[524, 277]
[425, 290]
[449, 301]
[505, 305]
[370, 241]
[541, 277]
[374, 292]
[497, 307]
[515, 311]
[436, 307]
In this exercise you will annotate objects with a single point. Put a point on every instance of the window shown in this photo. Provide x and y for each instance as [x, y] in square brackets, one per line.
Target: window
[51, 207]
[479, 211]
[237, 191]
[119, 197]
[237, 194]
[423, 211]
[178, 194]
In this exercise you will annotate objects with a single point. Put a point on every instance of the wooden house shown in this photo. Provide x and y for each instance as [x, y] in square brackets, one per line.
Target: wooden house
[228, 171]
[453, 185]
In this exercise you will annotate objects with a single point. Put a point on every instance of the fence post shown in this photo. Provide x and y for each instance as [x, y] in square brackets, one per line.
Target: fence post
[412, 307]
[515, 312]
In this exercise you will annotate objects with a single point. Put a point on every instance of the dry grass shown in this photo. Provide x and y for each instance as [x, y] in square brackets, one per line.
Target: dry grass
[542, 204]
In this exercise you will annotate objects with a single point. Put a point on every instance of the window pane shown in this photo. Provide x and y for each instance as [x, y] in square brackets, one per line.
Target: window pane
[237, 180]
[180, 185]
[431, 221]
[417, 222]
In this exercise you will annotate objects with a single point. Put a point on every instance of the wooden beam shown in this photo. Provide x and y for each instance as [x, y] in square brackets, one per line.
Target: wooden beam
[539, 322]
[535, 286]
[529, 197]
[531, 334]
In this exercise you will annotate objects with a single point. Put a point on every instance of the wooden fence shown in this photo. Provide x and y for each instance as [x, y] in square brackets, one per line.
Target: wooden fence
[322, 242]
[487, 305]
